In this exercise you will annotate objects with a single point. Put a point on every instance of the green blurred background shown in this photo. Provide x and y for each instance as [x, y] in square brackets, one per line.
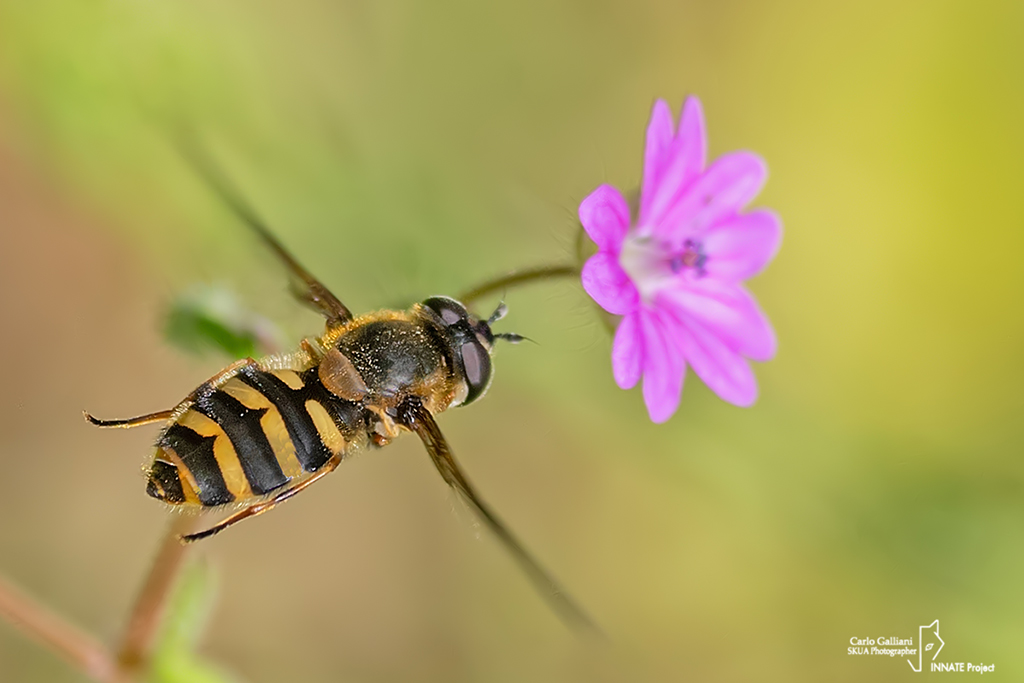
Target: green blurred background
[404, 149]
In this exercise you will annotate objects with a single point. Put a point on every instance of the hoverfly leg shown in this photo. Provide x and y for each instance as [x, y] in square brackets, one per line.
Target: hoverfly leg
[161, 416]
[414, 415]
[228, 372]
[264, 506]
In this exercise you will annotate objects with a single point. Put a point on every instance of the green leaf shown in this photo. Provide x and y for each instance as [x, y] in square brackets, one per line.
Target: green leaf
[185, 668]
[206, 318]
[174, 660]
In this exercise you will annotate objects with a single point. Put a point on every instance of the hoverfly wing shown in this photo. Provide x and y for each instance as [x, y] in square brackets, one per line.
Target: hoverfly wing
[416, 417]
[305, 286]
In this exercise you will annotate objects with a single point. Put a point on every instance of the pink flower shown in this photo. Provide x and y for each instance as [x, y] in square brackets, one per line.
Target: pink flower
[676, 273]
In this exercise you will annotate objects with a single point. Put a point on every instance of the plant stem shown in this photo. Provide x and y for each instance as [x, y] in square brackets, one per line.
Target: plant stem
[519, 277]
[87, 654]
[136, 647]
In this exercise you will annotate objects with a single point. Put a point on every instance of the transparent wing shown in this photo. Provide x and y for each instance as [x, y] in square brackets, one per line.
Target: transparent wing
[417, 418]
[305, 286]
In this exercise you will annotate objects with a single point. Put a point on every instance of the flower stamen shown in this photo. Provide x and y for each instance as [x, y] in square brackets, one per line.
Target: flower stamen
[651, 265]
[692, 256]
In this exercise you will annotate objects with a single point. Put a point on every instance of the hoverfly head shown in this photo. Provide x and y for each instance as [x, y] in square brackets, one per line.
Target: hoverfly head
[471, 341]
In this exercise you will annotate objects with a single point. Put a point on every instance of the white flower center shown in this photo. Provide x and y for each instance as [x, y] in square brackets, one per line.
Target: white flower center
[652, 265]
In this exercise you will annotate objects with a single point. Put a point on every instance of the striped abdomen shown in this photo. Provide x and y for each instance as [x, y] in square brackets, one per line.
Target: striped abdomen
[257, 432]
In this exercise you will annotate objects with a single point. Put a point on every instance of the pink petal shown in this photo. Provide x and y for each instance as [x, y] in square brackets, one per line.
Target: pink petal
[726, 310]
[724, 371]
[742, 246]
[682, 166]
[731, 183]
[693, 135]
[605, 217]
[628, 352]
[663, 369]
[607, 284]
[659, 141]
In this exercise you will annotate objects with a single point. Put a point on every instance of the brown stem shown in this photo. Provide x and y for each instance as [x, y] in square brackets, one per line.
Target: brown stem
[518, 277]
[581, 245]
[136, 647]
[87, 654]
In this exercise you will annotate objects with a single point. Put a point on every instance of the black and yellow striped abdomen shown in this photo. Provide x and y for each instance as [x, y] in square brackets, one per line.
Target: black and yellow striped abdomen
[256, 432]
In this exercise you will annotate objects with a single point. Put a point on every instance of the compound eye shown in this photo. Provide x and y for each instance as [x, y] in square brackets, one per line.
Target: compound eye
[450, 310]
[477, 364]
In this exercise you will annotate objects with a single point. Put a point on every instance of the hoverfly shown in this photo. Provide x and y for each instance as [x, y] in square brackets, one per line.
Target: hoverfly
[263, 430]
